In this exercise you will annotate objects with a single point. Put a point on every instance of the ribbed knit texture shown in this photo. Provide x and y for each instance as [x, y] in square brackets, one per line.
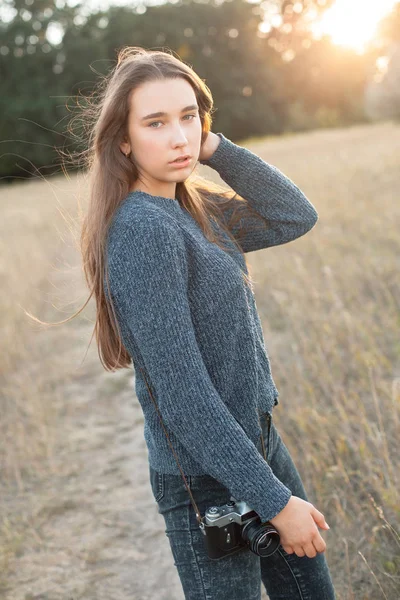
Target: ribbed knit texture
[190, 321]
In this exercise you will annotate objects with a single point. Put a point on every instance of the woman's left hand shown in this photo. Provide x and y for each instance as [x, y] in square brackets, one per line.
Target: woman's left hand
[210, 145]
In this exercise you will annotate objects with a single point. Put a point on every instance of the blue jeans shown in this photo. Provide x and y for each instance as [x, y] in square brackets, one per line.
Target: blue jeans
[237, 576]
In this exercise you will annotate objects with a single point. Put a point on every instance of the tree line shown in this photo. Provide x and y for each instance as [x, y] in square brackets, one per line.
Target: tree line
[264, 79]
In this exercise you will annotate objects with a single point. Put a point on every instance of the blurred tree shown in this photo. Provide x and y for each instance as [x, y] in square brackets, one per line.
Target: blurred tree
[30, 103]
[288, 23]
[382, 94]
[328, 78]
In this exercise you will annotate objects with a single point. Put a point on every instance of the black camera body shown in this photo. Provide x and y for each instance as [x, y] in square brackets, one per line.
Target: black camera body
[234, 525]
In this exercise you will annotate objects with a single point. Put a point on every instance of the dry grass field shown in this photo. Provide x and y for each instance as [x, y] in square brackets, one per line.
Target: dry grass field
[77, 517]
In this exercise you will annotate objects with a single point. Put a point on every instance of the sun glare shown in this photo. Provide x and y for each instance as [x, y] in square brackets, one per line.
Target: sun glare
[352, 23]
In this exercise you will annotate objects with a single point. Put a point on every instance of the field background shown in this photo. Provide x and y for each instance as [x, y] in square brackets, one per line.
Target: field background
[77, 516]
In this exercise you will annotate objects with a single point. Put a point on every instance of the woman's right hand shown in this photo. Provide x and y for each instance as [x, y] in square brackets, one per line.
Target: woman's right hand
[297, 525]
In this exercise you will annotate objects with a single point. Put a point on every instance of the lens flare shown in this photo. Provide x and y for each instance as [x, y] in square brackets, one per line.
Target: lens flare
[352, 23]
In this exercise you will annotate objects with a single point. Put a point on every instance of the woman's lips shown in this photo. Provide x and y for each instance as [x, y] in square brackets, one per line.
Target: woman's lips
[181, 164]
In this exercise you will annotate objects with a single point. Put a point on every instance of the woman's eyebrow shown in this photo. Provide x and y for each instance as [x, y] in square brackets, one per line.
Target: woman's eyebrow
[163, 114]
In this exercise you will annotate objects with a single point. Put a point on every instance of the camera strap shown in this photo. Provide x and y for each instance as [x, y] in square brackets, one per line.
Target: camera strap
[198, 515]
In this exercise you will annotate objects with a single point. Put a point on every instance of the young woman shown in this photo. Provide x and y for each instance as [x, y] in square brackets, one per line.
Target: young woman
[164, 251]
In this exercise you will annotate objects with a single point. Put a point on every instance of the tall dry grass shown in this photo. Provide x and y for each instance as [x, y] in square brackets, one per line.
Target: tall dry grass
[38, 240]
[330, 307]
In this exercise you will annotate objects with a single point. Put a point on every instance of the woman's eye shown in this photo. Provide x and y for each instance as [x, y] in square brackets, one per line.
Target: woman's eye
[155, 122]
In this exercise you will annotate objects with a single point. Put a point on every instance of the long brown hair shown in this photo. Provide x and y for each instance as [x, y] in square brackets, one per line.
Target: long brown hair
[111, 174]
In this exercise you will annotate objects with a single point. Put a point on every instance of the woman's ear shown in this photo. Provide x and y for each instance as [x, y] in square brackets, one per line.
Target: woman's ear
[125, 149]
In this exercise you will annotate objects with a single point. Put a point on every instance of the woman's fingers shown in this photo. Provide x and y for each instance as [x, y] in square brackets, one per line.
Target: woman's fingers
[299, 550]
[315, 546]
[319, 543]
[319, 518]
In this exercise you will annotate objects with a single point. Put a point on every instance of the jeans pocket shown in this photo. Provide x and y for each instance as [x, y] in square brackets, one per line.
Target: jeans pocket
[266, 429]
[270, 439]
[157, 483]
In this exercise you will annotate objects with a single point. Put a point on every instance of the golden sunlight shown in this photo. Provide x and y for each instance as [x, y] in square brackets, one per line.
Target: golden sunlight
[352, 22]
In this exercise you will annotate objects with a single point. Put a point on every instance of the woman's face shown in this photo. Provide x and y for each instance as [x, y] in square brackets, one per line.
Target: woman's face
[156, 141]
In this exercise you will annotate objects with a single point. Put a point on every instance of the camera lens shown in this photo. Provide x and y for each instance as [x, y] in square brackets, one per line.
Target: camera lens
[263, 539]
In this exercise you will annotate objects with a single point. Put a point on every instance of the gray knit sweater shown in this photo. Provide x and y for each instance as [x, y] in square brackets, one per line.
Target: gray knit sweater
[189, 320]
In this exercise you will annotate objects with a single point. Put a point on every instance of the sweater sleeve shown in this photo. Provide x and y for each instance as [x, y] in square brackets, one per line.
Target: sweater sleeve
[283, 213]
[150, 281]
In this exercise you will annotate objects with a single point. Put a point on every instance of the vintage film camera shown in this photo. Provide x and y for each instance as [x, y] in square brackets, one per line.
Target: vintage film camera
[234, 525]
